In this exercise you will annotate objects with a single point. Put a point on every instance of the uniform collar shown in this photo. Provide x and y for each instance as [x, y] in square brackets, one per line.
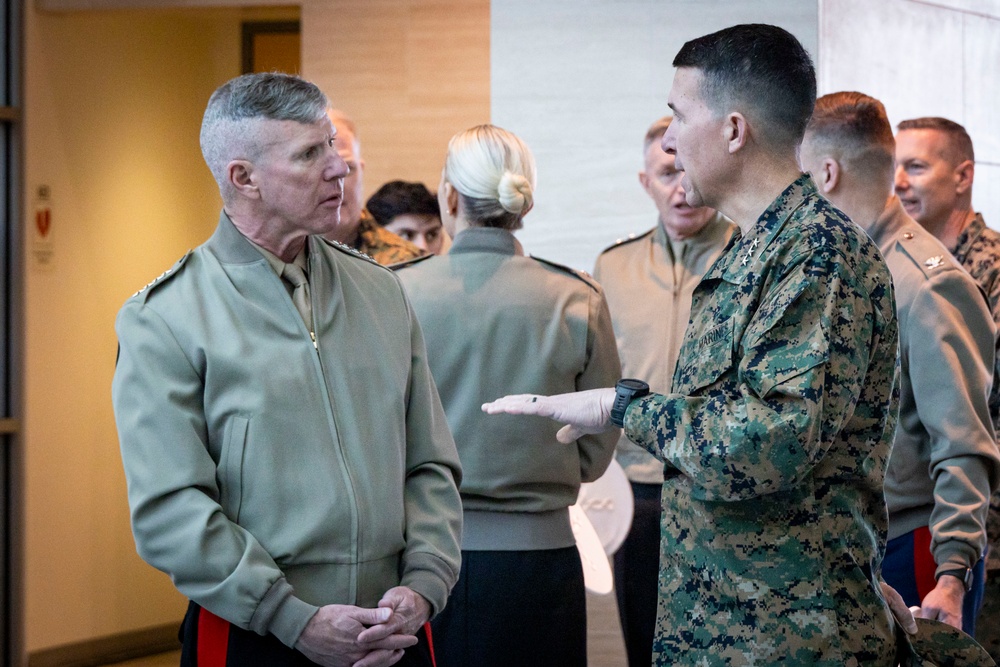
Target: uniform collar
[890, 223]
[485, 239]
[742, 255]
[969, 235]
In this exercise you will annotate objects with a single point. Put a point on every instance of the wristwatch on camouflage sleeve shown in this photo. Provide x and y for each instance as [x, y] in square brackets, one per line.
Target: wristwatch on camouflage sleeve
[963, 574]
[626, 391]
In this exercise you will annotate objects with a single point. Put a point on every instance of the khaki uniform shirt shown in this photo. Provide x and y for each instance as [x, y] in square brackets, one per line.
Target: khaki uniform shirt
[649, 288]
[500, 323]
[978, 251]
[944, 453]
[775, 445]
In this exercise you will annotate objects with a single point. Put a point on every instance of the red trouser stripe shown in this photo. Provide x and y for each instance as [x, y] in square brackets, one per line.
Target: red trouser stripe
[923, 562]
[213, 639]
[430, 643]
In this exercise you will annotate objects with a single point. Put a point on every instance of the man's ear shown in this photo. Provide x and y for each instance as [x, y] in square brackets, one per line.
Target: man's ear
[242, 178]
[964, 173]
[828, 177]
[644, 181]
[736, 131]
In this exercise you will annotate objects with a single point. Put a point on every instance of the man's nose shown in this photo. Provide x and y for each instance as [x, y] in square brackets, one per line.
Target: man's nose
[337, 167]
[667, 143]
[901, 181]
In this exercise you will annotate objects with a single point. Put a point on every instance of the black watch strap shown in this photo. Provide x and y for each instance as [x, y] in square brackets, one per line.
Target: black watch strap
[963, 574]
[626, 391]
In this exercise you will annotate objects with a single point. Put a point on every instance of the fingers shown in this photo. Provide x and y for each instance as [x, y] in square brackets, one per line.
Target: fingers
[372, 616]
[517, 404]
[902, 614]
[380, 658]
[569, 434]
[389, 642]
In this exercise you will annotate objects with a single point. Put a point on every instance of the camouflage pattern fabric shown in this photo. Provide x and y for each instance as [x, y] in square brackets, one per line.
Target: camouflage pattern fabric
[775, 447]
[382, 245]
[937, 644]
[978, 251]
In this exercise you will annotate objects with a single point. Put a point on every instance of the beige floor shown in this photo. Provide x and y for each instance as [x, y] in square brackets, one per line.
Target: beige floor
[604, 641]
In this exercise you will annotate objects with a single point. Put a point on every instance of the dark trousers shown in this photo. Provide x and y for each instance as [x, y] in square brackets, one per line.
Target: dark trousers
[209, 641]
[523, 608]
[637, 575]
[909, 568]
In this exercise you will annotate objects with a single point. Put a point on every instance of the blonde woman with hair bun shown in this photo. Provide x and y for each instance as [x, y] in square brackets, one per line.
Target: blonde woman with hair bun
[498, 322]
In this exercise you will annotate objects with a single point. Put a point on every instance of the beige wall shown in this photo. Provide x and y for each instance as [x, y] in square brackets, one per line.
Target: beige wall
[113, 104]
[411, 73]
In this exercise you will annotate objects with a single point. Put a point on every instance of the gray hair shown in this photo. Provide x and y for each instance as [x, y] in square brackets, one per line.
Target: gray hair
[494, 173]
[230, 129]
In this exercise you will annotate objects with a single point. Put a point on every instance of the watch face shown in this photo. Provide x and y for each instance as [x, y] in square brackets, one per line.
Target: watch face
[633, 384]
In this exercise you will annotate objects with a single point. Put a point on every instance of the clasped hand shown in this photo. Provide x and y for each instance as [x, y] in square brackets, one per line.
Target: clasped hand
[348, 636]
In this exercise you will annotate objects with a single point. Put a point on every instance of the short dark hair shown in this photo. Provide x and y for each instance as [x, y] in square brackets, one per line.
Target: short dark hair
[760, 70]
[856, 129]
[401, 198]
[958, 139]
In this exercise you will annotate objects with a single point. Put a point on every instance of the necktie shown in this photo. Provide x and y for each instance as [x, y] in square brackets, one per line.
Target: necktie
[300, 294]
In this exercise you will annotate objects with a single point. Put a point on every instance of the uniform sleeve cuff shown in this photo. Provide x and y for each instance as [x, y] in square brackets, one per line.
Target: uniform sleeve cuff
[431, 577]
[950, 557]
[282, 614]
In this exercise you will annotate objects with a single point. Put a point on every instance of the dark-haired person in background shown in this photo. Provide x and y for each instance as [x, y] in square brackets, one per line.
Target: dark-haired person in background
[935, 170]
[776, 438]
[944, 457]
[411, 212]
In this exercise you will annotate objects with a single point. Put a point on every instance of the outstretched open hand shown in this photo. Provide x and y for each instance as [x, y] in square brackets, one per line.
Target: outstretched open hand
[582, 412]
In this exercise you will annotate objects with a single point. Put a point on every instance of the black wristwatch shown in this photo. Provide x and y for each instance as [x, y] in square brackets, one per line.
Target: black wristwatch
[963, 574]
[626, 391]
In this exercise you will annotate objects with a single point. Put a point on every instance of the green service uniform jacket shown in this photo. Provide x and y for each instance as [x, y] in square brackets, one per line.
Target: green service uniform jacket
[944, 456]
[500, 323]
[978, 251]
[649, 293]
[776, 443]
[267, 475]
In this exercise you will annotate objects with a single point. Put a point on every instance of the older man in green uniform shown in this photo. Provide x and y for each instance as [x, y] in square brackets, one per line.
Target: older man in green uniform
[656, 271]
[287, 456]
[776, 438]
[944, 457]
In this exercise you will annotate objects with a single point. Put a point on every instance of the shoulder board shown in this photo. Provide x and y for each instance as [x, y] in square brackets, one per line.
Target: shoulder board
[581, 275]
[929, 257]
[628, 239]
[163, 277]
[348, 250]
[410, 262]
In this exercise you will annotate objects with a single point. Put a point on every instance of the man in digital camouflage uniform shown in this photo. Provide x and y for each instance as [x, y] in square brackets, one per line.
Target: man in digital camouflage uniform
[935, 170]
[358, 228]
[776, 439]
[944, 456]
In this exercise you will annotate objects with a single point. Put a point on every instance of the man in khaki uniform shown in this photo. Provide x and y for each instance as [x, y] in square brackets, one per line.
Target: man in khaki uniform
[358, 228]
[944, 458]
[653, 272]
[935, 169]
